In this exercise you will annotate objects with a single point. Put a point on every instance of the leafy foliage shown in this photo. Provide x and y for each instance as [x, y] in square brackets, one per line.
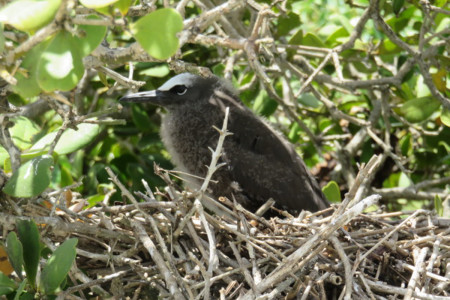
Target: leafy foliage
[25, 252]
[161, 43]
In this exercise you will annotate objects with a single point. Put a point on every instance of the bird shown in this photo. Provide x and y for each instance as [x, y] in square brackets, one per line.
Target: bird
[259, 163]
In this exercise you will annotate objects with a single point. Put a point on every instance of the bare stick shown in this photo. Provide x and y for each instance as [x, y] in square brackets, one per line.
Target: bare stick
[158, 259]
[418, 270]
[289, 264]
[216, 153]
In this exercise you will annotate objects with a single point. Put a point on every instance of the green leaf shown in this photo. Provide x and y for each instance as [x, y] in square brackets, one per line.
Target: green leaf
[334, 38]
[397, 5]
[31, 179]
[29, 237]
[60, 66]
[2, 38]
[24, 157]
[156, 71]
[90, 36]
[419, 109]
[71, 140]
[294, 133]
[368, 67]
[103, 78]
[23, 131]
[440, 79]
[106, 10]
[406, 144]
[438, 205]
[445, 117]
[123, 6]
[404, 180]
[27, 85]
[7, 285]
[264, 105]
[287, 23]
[389, 47]
[20, 295]
[58, 265]
[156, 32]
[308, 99]
[29, 15]
[97, 3]
[77, 163]
[313, 40]
[66, 176]
[297, 38]
[3, 156]
[332, 192]
[15, 253]
[94, 200]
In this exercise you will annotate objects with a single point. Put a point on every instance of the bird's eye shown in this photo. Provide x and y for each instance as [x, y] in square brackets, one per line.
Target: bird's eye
[179, 89]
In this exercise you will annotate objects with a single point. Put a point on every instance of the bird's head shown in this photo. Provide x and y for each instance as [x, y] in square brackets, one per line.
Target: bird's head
[183, 89]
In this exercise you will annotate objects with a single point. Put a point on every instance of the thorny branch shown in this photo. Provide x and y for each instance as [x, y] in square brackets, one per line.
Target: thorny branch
[290, 254]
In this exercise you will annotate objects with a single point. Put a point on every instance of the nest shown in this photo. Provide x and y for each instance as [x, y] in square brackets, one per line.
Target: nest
[188, 246]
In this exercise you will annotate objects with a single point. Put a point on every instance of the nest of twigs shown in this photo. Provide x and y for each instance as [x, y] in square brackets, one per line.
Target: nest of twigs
[187, 246]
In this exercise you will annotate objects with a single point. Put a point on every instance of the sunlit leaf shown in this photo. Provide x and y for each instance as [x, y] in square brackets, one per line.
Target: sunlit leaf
[332, 192]
[31, 179]
[97, 3]
[156, 32]
[438, 206]
[334, 38]
[419, 109]
[3, 156]
[90, 36]
[27, 85]
[24, 157]
[29, 15]
[23, 131]
[58, 265]
[445, 117]
[60, 66]
[71, 140]
[94, 200]
[123, 6]
[156, 71]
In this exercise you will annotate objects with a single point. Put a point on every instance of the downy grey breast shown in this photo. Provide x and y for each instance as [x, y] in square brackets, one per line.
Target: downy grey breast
[260, 163]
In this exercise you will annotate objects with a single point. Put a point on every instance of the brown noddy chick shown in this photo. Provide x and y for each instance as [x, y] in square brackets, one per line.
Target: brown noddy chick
[260, 163]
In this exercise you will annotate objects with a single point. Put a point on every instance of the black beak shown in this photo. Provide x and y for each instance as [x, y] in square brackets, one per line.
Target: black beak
[154, 97]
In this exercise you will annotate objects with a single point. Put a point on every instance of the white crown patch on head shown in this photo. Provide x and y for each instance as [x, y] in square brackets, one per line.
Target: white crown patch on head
[185, 79]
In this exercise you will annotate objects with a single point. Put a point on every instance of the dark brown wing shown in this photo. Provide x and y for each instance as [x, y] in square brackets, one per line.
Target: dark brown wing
[266, 166]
